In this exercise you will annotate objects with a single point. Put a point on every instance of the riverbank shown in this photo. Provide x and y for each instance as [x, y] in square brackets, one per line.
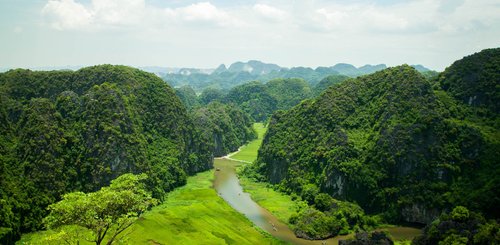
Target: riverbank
[281, 205]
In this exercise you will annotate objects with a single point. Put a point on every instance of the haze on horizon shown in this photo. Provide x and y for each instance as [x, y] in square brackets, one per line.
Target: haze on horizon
[204, 34]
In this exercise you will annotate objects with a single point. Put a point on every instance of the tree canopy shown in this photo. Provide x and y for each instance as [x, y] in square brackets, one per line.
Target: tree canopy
[108, 212]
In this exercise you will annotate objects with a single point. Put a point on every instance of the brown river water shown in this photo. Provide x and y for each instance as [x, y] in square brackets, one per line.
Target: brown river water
[227, 185]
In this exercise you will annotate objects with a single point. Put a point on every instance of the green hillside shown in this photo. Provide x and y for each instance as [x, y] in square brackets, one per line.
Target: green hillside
[392, 144]
[224, 128]
[63, 131]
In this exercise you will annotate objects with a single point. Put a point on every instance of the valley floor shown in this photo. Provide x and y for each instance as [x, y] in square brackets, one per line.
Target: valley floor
[195, 214]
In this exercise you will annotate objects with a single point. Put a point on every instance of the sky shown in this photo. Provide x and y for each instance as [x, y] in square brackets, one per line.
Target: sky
[204, 34]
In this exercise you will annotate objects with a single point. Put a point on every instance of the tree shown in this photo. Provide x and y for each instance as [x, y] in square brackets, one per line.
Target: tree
[109, 211]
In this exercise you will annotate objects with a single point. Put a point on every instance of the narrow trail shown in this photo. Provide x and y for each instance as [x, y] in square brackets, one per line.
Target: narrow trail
[228, 157]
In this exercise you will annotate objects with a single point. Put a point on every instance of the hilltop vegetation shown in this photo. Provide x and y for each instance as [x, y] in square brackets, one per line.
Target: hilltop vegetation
[394, 142]
[261, 100]
[66, 131]
[460, 226]
[224, 128]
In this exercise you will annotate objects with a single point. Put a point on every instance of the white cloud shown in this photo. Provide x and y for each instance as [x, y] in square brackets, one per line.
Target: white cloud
[118, 12]
[102, 14]
[270, 12]
[66, 14]
[201, 13]
[320, 32]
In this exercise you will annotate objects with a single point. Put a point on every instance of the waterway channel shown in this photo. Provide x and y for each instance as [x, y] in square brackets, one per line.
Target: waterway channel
[227, 185]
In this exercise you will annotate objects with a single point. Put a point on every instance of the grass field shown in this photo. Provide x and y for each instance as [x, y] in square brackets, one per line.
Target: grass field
[195, 214]
[192, 214]
[249, 151]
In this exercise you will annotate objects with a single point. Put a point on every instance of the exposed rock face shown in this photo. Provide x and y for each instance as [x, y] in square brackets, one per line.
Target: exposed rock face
[418, 213]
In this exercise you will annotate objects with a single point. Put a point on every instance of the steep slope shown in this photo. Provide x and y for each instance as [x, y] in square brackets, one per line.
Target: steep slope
[475, 80]
[288, 92]
[66, 131]
[188, 96]
[224, 127]
[261, 100]
[327, 82]
[254, 99]
[387, 142]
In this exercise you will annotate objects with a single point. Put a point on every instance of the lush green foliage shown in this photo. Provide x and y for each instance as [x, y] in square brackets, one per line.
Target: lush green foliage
[460, 226]
[322, 218]
[109, 211]
[328, 217]
[253, 98]
[372, 238]
[211, 94]
[288, 92]
[261, 100]
[223, 127]
[68, 131]
[328, 82]
[475, 79]
[191, 214]
[389, 142]
[188, 96]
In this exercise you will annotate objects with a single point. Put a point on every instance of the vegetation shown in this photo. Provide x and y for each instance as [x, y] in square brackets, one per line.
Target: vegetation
[460, 226]
[211, 94]
[364, 238]
[474, 80]
[328, 217]
[109, 211]
[391, 142]
[261, 100]
[328, 82]
[195, 214]
[319, 216]
[248, 152]
[288, 92]
[223, 127]
[253, 98]
[188, 96]
[191, 214]
[66, 131]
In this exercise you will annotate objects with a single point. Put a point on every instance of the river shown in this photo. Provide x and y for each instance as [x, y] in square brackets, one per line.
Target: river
[227, 185]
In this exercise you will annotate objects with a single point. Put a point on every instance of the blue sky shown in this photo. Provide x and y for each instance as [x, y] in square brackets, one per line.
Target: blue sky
[189, 33]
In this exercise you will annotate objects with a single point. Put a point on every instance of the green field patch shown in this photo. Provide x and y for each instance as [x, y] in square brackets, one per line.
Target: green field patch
[192, 214]
[195, 214]
[249, 151]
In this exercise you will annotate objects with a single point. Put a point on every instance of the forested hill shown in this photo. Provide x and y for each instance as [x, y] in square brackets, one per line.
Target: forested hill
[63, 131]
[395, 142]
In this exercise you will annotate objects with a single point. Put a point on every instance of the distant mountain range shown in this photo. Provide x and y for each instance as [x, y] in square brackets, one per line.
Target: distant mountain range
[238, 73]
[241, 72]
